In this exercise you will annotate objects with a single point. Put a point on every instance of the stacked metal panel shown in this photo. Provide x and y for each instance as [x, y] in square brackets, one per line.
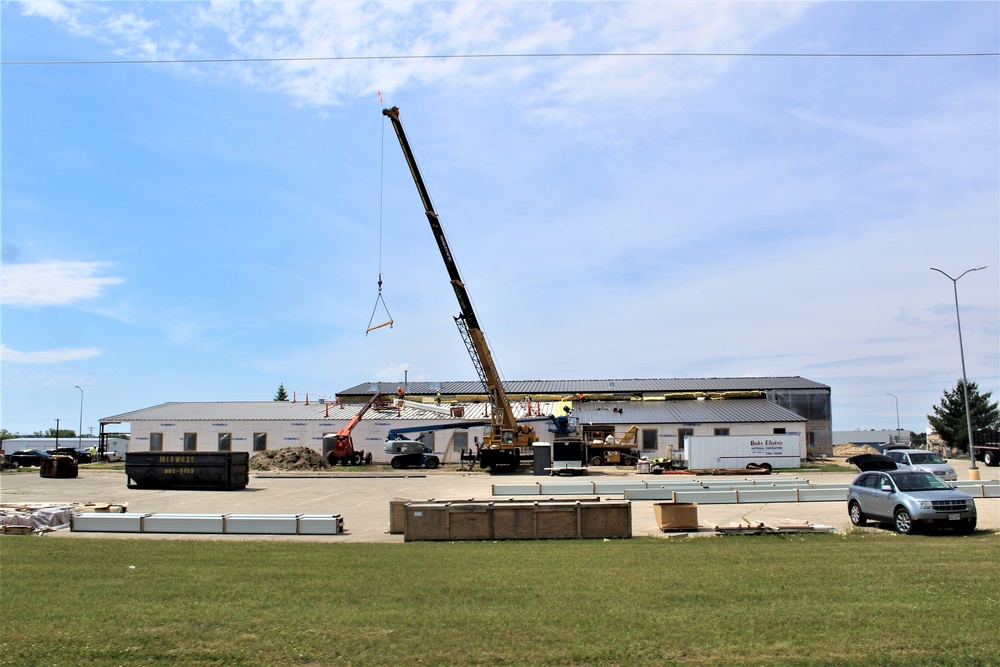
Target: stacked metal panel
[209, 524]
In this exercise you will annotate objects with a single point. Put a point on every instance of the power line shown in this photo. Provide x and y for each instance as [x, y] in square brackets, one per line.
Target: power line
[496, 56]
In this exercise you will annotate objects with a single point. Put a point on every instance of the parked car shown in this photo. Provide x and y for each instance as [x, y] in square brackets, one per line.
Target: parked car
[81, 455]
[921, 459]
[910, 499]
[866, 462]
[26, 458]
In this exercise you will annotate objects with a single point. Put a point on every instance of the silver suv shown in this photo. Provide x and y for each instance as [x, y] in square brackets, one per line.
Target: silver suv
[921, 459]
[909, 499]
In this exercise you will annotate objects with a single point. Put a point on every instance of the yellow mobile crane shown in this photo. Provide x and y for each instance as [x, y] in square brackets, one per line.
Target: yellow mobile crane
[505, 442]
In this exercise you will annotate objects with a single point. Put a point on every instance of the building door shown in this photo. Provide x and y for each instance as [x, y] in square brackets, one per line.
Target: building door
[681, 434]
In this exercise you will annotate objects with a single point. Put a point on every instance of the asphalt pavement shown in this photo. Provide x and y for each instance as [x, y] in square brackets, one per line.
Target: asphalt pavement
[362, 495]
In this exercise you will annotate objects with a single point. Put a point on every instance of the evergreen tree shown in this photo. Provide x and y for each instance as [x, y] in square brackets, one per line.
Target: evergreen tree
[282, 395]
[949, 416]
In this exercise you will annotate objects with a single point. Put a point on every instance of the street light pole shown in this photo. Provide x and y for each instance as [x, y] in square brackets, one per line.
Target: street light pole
[897, 414]
[973, 472]
[79, 434]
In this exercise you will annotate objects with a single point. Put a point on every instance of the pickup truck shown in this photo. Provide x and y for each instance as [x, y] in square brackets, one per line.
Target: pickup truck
[81, 455]
[987, 444]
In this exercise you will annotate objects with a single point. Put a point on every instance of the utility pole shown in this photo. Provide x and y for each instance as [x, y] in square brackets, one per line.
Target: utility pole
[973, 471]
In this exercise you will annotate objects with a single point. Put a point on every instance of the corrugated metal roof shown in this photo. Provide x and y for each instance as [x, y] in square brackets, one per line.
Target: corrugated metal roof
[747, 410]
[571, 387]
[603, 412]
[266, 411]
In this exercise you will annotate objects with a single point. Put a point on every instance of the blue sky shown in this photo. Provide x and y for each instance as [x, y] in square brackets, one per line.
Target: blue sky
[207, 231]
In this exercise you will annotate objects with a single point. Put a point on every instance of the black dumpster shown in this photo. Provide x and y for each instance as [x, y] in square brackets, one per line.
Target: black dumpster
[225, 471]
[59, 466]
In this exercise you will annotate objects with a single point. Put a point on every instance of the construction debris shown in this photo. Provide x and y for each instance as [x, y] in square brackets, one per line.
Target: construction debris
[773, 529]
[849, 449]
[289, 458]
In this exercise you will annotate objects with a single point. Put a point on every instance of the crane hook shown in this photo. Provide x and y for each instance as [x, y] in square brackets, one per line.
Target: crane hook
[387, 323]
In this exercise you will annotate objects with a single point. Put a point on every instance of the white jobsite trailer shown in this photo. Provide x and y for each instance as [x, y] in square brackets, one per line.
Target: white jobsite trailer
[727, 452]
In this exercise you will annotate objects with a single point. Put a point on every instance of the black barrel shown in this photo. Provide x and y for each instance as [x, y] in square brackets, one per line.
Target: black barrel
[188, 470]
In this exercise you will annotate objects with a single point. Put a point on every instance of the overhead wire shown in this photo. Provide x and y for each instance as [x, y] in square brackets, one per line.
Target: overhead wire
[487, 56]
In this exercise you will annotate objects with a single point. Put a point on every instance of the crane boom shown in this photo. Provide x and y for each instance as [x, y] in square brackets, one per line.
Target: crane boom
[505, 433]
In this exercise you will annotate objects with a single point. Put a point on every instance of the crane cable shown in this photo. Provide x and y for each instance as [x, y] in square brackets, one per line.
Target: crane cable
[387, 323]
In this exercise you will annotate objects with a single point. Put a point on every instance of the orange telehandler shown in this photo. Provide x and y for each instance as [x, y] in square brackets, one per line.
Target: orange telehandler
[339, 447]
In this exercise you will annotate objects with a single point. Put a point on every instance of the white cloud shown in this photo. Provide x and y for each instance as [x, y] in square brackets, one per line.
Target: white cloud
[48, 356]
[555, 86]
[53, 283]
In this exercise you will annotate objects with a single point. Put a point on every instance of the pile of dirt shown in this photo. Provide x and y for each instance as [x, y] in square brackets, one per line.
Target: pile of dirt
[289, 458]
[853, 450]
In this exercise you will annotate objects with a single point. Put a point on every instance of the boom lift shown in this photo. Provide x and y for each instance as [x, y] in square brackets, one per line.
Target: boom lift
[412, 451]
[340, 447]
[505, 442]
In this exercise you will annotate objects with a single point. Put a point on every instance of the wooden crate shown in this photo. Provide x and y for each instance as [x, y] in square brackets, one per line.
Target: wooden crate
[470, 522]
[514, 521]
[676, 516]
[425, 521]
[557, 521]
[610, 520]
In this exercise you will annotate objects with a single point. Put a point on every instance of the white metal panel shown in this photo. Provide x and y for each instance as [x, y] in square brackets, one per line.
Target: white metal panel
[650, 494]
[102, 522]
[262, 524]
[320, 524]
[184, 523]
[826, 493]
[766, 496]
[563, 488]
[516, 489]
[610, 488]
[706, 497]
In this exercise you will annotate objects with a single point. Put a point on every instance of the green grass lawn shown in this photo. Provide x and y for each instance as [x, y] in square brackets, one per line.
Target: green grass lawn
[867, 598]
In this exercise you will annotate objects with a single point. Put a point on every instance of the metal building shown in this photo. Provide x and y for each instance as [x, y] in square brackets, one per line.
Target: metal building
[806, 399]
[665, 411]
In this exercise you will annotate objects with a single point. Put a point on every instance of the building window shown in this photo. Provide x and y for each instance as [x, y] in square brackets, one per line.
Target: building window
[225, 442]
[190, 442]
[260, 442]
[156, 442]
[683, 433]
[649, 438]
[722, 431]
[778, 430]
[461, 442]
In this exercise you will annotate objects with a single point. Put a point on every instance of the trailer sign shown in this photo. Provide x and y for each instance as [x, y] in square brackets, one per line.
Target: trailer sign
[718, 452]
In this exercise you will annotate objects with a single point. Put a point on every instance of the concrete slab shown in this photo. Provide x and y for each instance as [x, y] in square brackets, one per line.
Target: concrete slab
[363, 500]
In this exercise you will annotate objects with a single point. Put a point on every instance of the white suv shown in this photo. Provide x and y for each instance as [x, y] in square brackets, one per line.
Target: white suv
[921, 459]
